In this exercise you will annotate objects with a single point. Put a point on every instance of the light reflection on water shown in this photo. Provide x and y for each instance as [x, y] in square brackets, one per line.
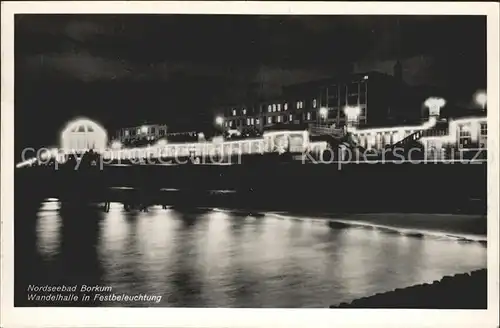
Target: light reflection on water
[224, 259]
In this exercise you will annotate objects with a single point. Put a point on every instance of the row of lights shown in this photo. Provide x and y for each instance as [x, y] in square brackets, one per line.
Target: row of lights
[352, 112]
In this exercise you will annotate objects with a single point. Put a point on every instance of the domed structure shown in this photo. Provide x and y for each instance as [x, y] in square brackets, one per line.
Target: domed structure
[83, 134]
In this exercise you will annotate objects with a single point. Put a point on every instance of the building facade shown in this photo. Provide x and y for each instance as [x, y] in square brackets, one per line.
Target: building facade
[242, 117]
[151, 133]
[373, 96]
[83, 134]
[439, 138]
[143, 133]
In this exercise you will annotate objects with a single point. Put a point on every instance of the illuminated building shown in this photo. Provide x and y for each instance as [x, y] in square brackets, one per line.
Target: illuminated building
[464, 133]
[242, 117]
[434, 134]
[142, 133]
[323, 102]
[457, 134]
[83, 134]
[272, 141]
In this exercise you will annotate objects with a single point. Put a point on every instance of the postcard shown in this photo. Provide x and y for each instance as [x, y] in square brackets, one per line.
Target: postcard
[249, 164]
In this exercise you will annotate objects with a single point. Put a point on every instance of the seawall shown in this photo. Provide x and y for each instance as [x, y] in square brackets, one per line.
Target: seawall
[461, 291]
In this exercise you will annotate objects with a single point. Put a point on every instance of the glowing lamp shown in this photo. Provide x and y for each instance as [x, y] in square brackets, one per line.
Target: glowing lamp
[352, 113]
[434, 105]
[219, 120]
[116, 145]
[323, 112]
[481, 99]
[161, 143]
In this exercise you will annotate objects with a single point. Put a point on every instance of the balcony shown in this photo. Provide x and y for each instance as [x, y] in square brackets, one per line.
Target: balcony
[323, 129]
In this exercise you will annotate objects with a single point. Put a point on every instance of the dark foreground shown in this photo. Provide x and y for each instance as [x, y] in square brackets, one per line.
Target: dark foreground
[363, 188]
[461, 291]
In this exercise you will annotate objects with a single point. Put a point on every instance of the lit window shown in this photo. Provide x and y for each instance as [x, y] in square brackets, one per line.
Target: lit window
[269, 108]
[251, 121]
[257, 121]
[138, 131]
[126, 132]
[230, 123]
[274, 107]
[298, 104]
[484, 129]
[285, 106]
[248, 121]
[244, 111]
[308, 116]
[269, 120]
[279, 119]
[290, 117]
[464, 131]
[234, 112]
[314, 103]
[279, 107]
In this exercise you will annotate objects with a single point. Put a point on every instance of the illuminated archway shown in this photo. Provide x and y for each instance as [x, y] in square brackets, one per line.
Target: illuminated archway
[83, 134]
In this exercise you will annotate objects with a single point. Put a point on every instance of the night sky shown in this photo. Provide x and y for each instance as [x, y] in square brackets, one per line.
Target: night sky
[123, 70]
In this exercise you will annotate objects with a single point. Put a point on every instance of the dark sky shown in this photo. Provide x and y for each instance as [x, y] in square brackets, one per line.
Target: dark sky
[124, 69]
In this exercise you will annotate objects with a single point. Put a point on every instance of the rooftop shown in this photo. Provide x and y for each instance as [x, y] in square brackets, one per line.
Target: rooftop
[344, 78]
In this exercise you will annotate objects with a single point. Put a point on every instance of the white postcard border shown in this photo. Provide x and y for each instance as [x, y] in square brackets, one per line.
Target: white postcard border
[177, 317]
